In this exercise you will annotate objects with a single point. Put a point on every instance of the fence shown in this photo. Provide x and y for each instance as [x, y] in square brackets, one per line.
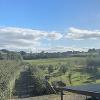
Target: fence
[83, 94]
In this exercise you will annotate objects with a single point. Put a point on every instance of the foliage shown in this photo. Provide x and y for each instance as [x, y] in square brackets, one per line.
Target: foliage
[45, 55]
[50, 69]
[58, 83]
[93, 61]
[63, 68]
[63, 71]
[8, 73]
[30, 83]
[10, 55]
[72, 70]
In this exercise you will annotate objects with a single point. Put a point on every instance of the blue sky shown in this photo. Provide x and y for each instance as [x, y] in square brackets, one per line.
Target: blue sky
[63, 24]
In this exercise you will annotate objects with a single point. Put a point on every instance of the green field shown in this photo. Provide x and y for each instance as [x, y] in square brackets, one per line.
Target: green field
[35, 77]
[76, 67]
[57, 60]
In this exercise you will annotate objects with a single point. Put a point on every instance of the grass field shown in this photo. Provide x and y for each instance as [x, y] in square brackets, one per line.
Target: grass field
[57, 71]
[75, 66]
[57, 60]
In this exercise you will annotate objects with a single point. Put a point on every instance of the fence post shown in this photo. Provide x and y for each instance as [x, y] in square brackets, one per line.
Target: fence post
[61, 94]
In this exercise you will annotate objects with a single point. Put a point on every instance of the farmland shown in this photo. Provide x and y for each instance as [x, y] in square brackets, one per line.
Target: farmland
[59, 69]
[29, 78]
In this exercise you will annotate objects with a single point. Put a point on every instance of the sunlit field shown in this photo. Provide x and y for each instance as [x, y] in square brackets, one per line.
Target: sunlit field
[61, 68]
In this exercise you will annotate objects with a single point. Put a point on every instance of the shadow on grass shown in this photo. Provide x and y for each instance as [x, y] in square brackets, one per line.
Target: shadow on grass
[93, 73]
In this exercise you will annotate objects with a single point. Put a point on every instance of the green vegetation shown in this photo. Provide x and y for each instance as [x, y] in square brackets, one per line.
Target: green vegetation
[46, 55]
[31, 82]
[10, 68]
[20, 77]
[71, 71]
[9, 55]
[9, 71]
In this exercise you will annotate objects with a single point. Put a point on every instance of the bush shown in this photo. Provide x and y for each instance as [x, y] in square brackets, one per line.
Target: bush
[50, 69]
[63, 68]
[58, 84]
[8, 74]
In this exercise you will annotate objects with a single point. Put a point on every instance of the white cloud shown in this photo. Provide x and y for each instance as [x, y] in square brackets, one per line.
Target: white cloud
[14, 37]
[61, 49]
[55, 36]
[75, 33]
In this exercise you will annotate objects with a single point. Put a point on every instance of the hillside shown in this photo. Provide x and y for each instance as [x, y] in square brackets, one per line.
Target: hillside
[31, 78]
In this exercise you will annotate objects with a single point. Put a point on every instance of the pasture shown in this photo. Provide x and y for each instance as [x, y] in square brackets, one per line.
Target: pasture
[71, 70]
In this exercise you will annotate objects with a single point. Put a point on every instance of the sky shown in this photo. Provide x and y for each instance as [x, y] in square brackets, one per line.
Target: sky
[50, 25]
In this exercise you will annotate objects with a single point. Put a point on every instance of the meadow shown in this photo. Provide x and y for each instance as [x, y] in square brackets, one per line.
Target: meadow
[35, 77]
[70, 71]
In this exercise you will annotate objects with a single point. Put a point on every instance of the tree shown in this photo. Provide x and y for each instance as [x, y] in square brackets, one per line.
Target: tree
[69, 78]
[63, 68]
[22, 52]
[50, 69]
[1, 57]
[70, 72]
[92, 50]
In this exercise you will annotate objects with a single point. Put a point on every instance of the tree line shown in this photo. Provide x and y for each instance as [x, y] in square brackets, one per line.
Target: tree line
[12, 55]
[44, 55]
[9, 55]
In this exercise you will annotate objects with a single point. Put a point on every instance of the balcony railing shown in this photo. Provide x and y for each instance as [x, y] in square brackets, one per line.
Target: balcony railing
[90, 90]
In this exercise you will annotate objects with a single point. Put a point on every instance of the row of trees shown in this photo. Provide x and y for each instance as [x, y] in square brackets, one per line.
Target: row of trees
[55, 70]
[5, 54]
[44, 55]
[9, 55]
[28, 56]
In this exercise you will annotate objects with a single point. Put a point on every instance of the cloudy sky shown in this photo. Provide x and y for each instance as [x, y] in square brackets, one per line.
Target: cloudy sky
[50, 25]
